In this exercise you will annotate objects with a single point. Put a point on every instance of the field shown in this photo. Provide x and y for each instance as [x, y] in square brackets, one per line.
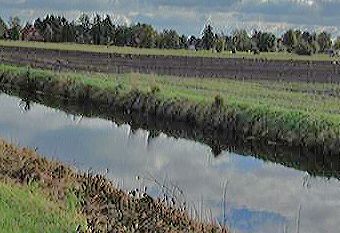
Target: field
[163, 52]
[300, 113]
[208, 67]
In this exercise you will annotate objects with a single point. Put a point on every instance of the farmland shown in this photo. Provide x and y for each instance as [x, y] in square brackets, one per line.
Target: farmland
[163, 52]
[229, 68]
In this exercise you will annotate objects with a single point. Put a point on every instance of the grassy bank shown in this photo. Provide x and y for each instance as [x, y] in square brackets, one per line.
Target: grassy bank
[26, 208]
[163, 52]
[290, 113]
[46, 196]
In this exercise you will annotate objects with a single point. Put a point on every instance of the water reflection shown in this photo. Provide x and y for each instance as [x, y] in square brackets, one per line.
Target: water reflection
[259, 196]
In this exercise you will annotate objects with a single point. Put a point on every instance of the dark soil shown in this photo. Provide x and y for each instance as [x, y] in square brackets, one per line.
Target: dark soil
[232, 68]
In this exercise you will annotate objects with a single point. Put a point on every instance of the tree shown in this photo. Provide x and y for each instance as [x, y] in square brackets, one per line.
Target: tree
[96, 30]
[337, 43]
[324, 41]
[264, 41]
[183, 42]
[290, 40]
[220, 43]
[208, 38]
[241, 40]
[143, 35]
[107, 30]
[14, 24]
[303, 48]
[3, 28]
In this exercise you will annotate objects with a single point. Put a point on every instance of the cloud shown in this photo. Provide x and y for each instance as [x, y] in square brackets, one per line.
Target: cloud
[189, 16]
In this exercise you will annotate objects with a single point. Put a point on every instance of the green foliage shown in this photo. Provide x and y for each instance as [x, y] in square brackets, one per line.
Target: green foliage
[102, 31]
[241, 40]
[290, 40]
[169, 39]
[3, 28]
[155, 89]
[218, 101]
[208, 37]
[324, 41]
[220, 44]
[303, 49]
[337, 43]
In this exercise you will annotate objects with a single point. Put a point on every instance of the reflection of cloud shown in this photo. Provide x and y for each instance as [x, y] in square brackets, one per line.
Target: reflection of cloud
[256, 190]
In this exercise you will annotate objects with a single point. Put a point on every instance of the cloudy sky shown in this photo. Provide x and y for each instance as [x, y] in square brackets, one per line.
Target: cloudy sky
[189, 16]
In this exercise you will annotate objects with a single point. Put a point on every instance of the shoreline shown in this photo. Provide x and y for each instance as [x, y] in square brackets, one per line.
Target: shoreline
[106, 208]
[294, 157]
[315, 131]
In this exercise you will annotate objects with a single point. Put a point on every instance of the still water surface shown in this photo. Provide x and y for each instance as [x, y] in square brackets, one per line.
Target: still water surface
[260, 196]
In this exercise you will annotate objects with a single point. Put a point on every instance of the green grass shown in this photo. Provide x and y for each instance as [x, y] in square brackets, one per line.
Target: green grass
[299, 107]
[165, 52]
[267, 94]
[26, 209]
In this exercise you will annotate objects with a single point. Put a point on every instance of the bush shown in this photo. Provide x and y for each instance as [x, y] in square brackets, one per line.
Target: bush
[303, 49]
[155, 89]
[218, 101]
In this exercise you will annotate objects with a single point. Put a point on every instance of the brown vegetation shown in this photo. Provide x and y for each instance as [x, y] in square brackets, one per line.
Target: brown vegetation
[106, 208]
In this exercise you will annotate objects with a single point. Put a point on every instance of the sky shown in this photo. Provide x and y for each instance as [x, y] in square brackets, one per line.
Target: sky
[190, 16]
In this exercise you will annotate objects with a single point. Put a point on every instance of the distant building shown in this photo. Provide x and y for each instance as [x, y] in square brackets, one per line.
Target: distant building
[30, 33]
[192, 47]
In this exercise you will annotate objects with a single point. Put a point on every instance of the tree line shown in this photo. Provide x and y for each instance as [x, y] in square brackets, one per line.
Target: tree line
[100, 30]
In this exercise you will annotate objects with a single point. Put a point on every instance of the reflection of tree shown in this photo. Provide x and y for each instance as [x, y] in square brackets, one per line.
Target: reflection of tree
[316, 163]
[151, 135]
[216, 149]
[25, 104]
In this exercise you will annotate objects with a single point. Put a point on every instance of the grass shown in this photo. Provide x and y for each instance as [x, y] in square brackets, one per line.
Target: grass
[27, 209]
[292, 112]
[163, 52]
[306, 97]
[30, 208]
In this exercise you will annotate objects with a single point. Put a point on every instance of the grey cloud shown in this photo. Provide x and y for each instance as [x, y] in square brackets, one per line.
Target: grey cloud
[188, 16]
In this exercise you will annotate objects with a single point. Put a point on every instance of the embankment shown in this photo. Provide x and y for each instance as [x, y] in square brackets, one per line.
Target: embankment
[316, 132]
[315, 163]
[106, 208]
[233, 68]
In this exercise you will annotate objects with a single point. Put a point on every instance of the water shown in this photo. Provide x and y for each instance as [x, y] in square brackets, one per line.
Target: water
[260, 196]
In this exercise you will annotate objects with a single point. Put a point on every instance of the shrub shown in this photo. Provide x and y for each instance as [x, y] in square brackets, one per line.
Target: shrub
[155, 89]
[218, 101]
